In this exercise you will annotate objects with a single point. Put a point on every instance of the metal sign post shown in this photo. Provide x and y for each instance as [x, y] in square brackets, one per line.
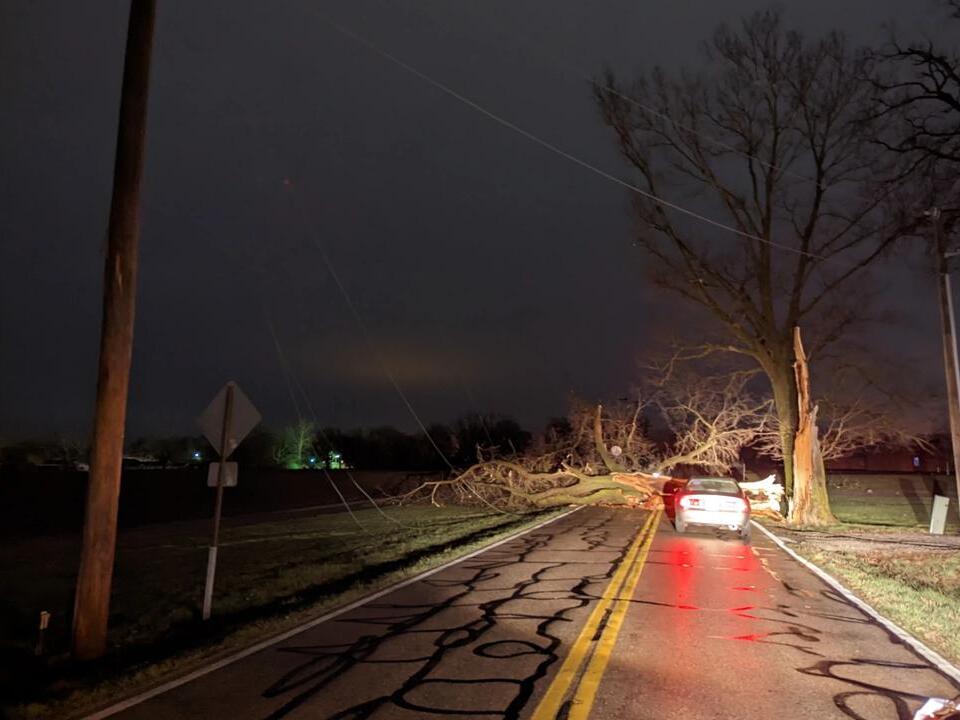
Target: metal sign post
[225, 422]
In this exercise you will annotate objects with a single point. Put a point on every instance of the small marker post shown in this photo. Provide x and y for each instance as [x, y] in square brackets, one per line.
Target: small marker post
[42, 633]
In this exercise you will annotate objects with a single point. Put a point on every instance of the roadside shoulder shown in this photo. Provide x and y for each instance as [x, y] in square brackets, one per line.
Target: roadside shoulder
[919, 647]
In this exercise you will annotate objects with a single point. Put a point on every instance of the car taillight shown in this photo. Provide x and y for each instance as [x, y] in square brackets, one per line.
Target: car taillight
[688, 502]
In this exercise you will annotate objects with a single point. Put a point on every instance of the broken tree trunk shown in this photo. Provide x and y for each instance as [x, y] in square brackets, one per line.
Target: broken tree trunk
[605, 455]
[811, 505]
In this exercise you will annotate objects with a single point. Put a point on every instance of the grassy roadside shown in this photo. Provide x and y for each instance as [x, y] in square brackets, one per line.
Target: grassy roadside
[907, 575]
[272, 576]
[919, 591]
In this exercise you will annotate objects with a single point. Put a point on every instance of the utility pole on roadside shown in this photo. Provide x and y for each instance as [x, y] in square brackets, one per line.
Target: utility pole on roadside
[948, 324]
[92, 600]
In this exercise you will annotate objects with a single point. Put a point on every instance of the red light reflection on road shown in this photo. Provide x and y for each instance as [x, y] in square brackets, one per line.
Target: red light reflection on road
[681, 578]
[697, 577]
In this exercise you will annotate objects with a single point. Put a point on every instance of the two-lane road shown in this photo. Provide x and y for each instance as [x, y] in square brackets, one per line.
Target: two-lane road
[604, 614]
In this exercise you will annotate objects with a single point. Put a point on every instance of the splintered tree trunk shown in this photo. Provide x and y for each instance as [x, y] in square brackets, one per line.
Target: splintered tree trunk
[811, 505]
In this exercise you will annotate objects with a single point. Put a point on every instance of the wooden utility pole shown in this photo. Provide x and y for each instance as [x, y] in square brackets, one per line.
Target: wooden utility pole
[948, 325]
[92, 600]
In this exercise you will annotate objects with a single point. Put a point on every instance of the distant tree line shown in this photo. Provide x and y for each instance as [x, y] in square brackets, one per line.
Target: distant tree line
[304, 445]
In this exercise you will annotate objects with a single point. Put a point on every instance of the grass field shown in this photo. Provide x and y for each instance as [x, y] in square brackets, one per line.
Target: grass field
[894, 512]
[900, 500]
[270, 575]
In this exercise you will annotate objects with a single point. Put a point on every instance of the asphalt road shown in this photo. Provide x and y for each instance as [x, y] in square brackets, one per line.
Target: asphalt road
[602, 614]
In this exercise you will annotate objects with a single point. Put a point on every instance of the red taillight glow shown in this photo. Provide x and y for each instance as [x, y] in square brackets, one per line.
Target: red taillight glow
[687, 501]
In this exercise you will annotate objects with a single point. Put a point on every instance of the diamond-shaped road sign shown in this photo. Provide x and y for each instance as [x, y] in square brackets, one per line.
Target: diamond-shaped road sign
[243, 418]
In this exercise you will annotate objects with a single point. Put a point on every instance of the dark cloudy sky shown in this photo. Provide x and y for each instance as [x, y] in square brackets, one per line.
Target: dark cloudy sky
[490, 273]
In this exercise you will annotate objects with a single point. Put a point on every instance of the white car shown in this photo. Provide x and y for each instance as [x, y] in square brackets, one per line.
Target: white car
[712, 502]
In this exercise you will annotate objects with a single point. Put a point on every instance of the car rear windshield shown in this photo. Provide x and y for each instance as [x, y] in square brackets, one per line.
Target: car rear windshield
[712, 485]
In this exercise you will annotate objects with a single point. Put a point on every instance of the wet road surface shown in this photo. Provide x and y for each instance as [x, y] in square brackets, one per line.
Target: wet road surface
[603, 614]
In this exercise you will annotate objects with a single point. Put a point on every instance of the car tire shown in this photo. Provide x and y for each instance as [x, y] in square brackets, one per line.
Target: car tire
[745, 532]
[680, 526]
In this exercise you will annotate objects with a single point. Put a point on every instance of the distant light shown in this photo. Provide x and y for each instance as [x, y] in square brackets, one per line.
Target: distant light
[311, 460]
[656, 474]
[196, 455]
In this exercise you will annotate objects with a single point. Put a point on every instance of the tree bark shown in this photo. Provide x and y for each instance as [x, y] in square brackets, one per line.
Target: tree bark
[785, 399]
[778, 366]
[811, 504]
[608, 459]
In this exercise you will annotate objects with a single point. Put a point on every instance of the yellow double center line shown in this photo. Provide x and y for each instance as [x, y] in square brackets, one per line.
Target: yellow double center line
[595, 643]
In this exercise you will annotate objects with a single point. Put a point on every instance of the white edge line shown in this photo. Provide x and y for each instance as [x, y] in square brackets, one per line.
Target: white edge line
[938, 661]
[286, 635]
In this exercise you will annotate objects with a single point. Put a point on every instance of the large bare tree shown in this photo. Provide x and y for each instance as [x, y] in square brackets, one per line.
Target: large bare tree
[918, 96]
[770, 139]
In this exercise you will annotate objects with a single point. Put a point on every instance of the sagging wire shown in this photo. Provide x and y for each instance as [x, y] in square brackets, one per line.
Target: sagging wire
[329, 444]
[374, 349]
[568, 155]
[522, 41]
[476, 411]
[287, 375]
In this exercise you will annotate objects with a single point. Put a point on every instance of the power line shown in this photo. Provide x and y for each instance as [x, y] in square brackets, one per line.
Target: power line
[286, 372]
[348, 301]
[523, 41]
[291, 378]
[699, 133]
[560, 151]
[476, 409]
[326, 439]
[584, 75]
[393, 381]
[286, 375]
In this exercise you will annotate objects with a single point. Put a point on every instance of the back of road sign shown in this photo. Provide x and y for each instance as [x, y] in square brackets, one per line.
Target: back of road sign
[243, 418]
[229, 474]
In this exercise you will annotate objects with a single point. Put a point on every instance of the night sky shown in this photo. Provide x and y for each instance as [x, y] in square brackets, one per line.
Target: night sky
[490, 274]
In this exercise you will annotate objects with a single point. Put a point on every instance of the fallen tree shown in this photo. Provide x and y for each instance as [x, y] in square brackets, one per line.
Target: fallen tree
[609, 458]
[508, 485]
[764, 496]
